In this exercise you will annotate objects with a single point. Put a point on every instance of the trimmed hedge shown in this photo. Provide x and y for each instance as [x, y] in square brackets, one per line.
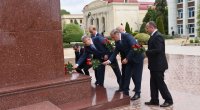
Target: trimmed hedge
[72, 33]
[142, 38]
[66, 45]
[135, 33]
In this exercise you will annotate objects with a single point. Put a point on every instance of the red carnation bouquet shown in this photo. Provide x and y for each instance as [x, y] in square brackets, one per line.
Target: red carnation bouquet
[93, 62]
[138, 48]
[68, 68]
[108, 44]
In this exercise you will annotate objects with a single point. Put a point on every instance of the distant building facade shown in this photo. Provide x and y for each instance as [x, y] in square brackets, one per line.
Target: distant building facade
[71, 18]
[182, 16]
[108, 14]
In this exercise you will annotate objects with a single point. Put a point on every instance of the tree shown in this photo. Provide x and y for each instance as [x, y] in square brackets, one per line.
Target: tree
[160, 26]
[72, 33]
[142, 28]
[150, 15]
[75, 21]
[127, 28]
[64, 12]
[162, 10]
[161, 6]
[198, 22]
[158, 10]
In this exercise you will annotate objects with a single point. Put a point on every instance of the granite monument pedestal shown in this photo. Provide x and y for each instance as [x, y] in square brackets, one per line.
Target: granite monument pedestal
[31, 60]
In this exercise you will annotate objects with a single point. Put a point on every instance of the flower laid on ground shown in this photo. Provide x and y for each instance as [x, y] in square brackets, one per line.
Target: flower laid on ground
[109, 45]
[88, 61]
[93, 62]
[138, 48]
[68, 68]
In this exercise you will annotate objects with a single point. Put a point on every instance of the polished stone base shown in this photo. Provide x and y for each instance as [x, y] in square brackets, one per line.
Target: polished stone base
[46, 105]
[101, 99]
[58, 91]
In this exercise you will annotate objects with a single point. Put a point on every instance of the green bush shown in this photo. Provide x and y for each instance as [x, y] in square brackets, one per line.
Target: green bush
[142, 38]
[135, 33]
[66, 45]
[196, 40]
[142, 28]
[191, 41]
[167, 36]
[72, 33]
[127, 28]
[160, 25]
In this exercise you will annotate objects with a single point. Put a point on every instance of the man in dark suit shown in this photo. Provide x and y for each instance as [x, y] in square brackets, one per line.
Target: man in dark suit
[98, 51]
[133, 61]
[122, 30]
[78, 52]
[157, 64]
[108, 53]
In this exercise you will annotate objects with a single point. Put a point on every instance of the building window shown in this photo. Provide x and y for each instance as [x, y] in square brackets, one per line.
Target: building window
[191, 35]
[180, 29]
[191, 28]
[180, 13]
[81, 21]
[71, 21]
[179, 1]
[191, 12]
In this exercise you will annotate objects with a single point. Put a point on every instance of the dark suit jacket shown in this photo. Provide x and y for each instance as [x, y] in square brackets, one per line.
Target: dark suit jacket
[78, 54]
[99, 52]
[125, 48]
[156, 53]
[98, 34]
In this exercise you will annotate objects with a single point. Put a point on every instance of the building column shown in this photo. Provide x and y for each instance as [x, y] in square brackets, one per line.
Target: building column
[185, 18]
[100, 23]
[172, 16]
[197, 2]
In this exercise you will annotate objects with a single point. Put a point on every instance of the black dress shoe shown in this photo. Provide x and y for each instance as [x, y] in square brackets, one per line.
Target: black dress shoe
[166, 104]
[135, 97]
[151, 103]
[126, 93]
[96, 83]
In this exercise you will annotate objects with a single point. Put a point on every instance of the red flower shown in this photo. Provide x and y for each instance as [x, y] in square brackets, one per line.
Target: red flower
[65, 69]
[133, 46]
[88, 59]
[137, 46]
[89, 63]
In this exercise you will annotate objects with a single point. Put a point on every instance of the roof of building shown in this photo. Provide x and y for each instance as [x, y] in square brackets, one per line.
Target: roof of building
[130, 1]
[142, 5]
[145, 5]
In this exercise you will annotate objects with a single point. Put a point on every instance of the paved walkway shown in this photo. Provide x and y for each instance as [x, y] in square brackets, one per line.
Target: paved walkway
[182, 78]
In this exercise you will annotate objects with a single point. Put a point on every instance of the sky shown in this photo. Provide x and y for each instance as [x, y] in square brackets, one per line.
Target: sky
[76, 6]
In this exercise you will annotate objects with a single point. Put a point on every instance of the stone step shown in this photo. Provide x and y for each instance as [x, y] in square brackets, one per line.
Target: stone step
[100, 99]
[46, 105]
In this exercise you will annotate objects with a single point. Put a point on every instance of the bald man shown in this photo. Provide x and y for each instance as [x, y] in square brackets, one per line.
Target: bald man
[121, 29]
[115, 67]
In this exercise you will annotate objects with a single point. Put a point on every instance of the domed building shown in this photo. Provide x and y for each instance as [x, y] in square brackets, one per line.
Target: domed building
[108, 14]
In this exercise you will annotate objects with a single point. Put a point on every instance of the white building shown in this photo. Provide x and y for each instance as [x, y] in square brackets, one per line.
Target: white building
[71, 18]
[108, 14]
[182, 15]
